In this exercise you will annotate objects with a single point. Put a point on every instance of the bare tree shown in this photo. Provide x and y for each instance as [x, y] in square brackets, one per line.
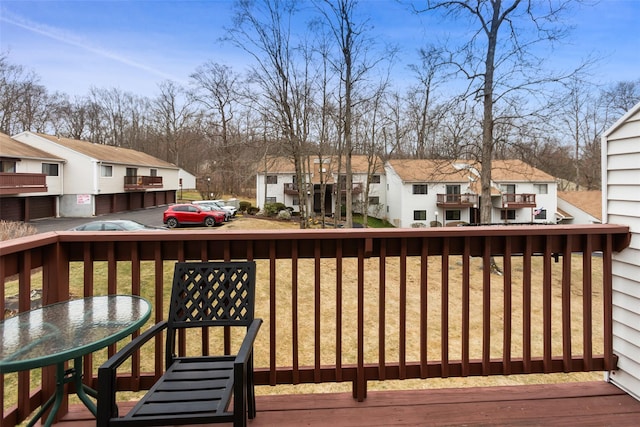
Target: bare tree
[175, 121]
[422, 98]
[619, 98]
[498, 61]
[263, 30]
[215, 88]
[20, 97]
[73, 117]
[354, 63]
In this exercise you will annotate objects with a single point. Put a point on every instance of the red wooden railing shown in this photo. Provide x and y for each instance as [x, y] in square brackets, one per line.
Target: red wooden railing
[353, 305]
[15, 183]
[142, 182]
[457, 199]
[510, 200]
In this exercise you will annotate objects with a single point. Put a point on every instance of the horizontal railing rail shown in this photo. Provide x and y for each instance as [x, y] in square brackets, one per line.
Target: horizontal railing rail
[350, 305]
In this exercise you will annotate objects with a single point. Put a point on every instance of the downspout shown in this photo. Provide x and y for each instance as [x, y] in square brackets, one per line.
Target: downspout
[96, 187]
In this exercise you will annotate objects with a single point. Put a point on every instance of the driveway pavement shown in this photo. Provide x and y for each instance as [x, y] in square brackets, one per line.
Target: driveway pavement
[149, 216]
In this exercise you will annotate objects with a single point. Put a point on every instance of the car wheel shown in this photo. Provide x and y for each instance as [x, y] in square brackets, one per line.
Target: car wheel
[209, 221]
[172, 223]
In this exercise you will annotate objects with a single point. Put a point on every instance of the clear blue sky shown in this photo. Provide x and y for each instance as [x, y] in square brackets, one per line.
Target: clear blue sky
[134, 45]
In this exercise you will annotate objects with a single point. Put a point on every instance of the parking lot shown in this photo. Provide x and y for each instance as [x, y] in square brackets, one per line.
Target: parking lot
[149, 216]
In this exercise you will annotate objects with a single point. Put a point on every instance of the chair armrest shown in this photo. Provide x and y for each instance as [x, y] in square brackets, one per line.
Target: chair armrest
[125, 352]
[247, 343]
[107, 407]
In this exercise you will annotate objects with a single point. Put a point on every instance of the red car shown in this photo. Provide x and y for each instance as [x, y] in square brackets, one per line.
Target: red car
[188, 214]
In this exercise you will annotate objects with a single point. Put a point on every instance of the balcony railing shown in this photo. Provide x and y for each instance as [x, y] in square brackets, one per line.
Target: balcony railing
[514, 201]
[292, 188]
[457, 200]
[351, 305]
[16, 183]
[132, 183]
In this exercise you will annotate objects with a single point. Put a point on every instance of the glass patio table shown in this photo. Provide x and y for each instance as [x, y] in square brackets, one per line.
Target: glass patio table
[69, 330]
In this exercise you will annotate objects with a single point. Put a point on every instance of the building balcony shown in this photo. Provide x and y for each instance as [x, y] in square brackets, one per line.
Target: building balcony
[457, 200]
[517, 201]
[292, 188]
[16, 183]
[356, 187]
[137, 183]
[353, 309]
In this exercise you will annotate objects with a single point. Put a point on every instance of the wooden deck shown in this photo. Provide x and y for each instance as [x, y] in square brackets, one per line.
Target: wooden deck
[568, 404]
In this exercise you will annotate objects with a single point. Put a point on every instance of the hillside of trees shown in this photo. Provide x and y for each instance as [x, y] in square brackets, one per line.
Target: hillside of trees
[331, 90]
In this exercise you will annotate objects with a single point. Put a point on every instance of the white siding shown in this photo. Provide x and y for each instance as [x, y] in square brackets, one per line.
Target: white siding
[394, 198]
[621, 205]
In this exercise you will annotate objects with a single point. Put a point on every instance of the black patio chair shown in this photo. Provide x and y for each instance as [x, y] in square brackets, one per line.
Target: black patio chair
[199, 389]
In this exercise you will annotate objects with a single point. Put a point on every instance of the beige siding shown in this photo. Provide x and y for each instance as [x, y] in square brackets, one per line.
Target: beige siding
[621, 193]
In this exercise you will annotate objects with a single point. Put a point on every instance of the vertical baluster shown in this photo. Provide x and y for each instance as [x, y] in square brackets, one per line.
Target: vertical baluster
[338, 310]
[273, 344]
[526, 305]
[424, 308]
[587, 304]
[361, 381]
[317, 312]
[486, 307]
[566, 305]
[402, 311]
[466, 285]
[382, 322]
[507, 307]
[444, 308]
[547, 314]
[295, 337]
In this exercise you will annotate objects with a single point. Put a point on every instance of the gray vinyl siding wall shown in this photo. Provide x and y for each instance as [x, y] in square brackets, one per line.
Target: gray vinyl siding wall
[621, 205]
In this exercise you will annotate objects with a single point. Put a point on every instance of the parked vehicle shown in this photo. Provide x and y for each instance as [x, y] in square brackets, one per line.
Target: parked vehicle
[214, 206]
[220, 203]
[115, 225]
[190, 214]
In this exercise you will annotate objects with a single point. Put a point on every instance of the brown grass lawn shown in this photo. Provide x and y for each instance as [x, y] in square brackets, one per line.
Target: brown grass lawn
[305, 315]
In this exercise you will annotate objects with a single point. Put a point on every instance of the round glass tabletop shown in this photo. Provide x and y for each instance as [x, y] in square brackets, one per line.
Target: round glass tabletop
[66, 330]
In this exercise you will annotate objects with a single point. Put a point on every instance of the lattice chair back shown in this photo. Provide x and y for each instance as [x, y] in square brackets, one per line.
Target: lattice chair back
[210, 294]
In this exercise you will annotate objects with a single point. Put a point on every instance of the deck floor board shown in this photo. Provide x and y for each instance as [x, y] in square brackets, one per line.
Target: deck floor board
[568, 404]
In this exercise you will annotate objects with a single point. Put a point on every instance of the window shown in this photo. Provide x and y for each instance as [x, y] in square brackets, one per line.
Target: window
[7, 166]
[541, 188]
[419, 188]
[50, 169]
[106, 171]
[452, 215]
[272, 179]
[374, 200]
[270, 200]
[508, 188]
[420, 215]
[453, 189]
[153, 172]
[375, 179]
[540, 214]
[132, 171]
[295, 201]
[506, 214]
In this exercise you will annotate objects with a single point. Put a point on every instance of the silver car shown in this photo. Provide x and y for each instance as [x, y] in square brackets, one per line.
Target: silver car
[218, 204]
